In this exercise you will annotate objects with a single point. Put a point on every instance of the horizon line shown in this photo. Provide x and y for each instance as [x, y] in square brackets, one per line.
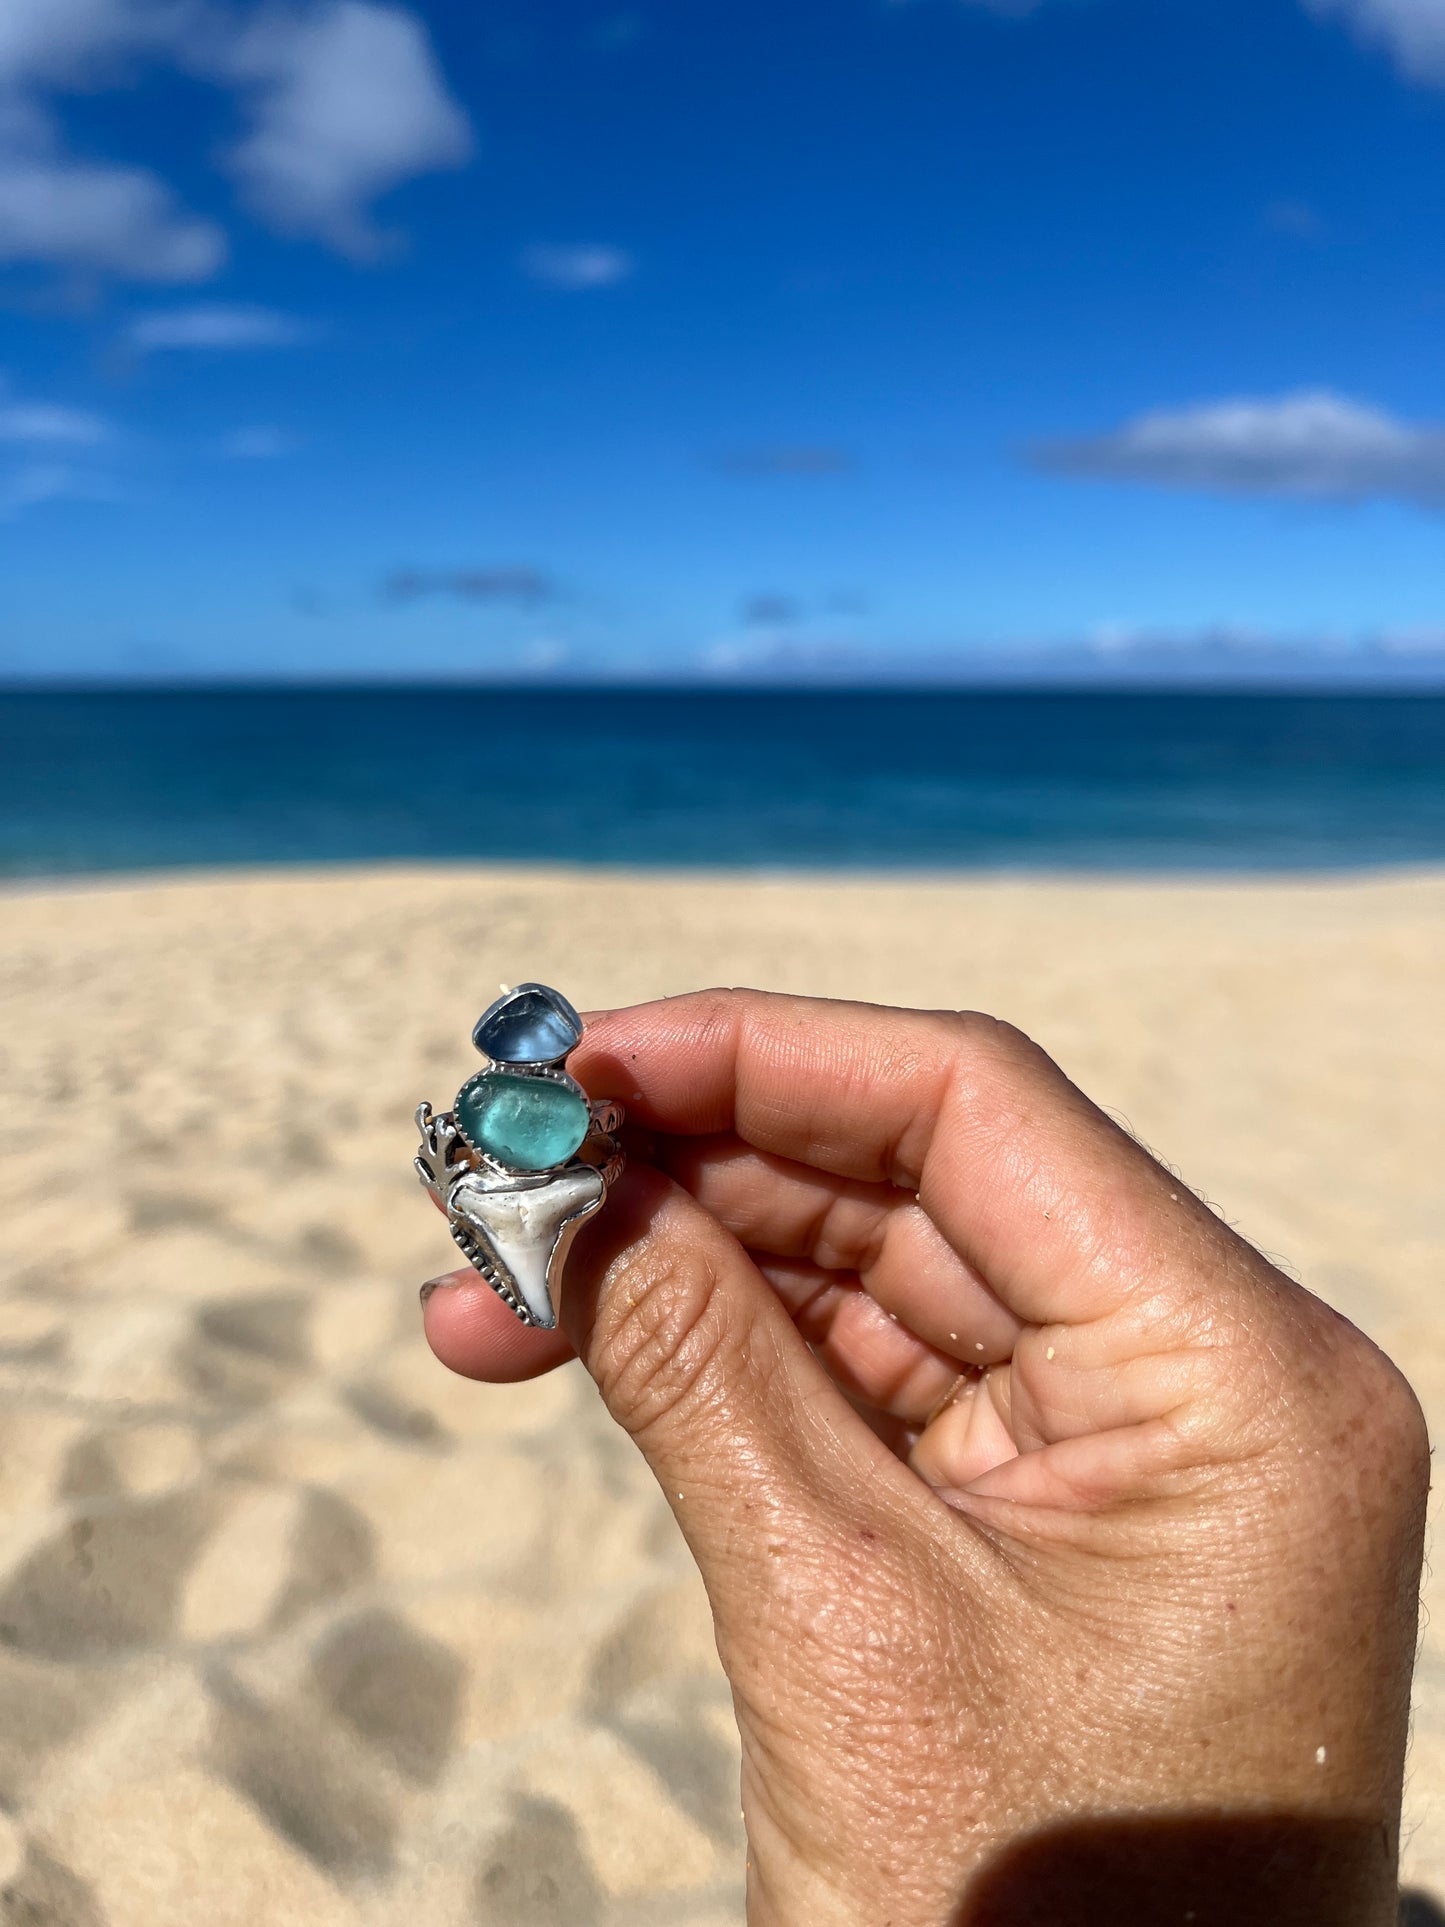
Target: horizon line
[1404, 682]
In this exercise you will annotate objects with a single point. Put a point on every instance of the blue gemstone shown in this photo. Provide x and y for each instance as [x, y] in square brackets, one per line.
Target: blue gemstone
[530, 1025]
[526, 1123]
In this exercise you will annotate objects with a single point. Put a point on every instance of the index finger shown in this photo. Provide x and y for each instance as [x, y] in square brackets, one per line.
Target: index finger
[1031, 1183]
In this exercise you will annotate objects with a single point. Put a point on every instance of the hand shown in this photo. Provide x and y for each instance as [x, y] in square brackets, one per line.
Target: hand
[1063, 1553]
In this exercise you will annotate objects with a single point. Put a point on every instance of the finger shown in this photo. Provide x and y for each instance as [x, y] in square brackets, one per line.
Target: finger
[698, 1359]
[876, 1231]
[874, 1358]
[473, 1332]
[971, 1437]
[1034, 1187]
[956, 1428]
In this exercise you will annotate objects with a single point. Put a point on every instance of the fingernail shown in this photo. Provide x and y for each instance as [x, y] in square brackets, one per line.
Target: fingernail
[436, 1284]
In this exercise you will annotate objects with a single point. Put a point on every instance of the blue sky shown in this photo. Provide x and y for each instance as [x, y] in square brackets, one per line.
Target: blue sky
[822, 337]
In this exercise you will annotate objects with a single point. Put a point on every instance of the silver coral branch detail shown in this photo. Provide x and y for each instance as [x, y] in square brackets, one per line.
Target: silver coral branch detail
[444, 1156]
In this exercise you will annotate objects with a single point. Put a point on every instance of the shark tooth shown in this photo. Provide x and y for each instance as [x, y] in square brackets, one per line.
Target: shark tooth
[517, 1234]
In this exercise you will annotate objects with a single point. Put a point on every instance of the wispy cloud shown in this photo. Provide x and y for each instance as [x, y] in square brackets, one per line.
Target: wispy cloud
[515, 582]
[33, 483]
[263, 442]
[575, 268]
[1225, 655]
[1413, 31]
[50, 452]
[344, 98]
[43, 422]
[788, 458]
[1315, 444]
[1297, 219]
[217, 326]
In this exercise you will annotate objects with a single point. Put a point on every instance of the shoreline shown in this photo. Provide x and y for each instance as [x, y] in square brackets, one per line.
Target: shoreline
[930, 876]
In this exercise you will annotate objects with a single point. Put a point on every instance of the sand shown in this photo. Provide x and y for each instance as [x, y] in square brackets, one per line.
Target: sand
[294, 1628]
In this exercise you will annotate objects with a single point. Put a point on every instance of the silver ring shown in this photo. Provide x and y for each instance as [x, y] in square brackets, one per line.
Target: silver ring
[524, 1157]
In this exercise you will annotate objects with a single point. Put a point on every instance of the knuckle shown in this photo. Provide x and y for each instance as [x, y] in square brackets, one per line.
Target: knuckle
[1349, 1418]
[994, 1040]
[995, 1062]
[1378, 1452]
[721, 1007]
[662, 1322]
[727, 1014]
[1384, 1423]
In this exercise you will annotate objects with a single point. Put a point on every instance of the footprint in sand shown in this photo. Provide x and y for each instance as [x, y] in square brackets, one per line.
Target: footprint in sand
[45, 1894]
[248, 1351]
[537, 1873]
[43, 1707]
[398, 1689]
[107, 1579]
[314, 1783]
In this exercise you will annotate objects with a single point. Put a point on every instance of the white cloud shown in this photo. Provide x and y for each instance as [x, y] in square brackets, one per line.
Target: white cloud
[1412, 30]
[216, 325]
[43, 422]
[345, 100]
[122, 220]
[1314, 444]
[69, 41]
[590, 264]
[348, 102]
[71, 213]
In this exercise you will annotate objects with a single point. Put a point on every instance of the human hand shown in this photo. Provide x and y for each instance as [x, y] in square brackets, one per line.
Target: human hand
[1063, 1554]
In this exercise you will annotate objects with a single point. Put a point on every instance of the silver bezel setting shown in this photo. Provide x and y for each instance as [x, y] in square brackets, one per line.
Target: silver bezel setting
[541, 1074]
[522, 990]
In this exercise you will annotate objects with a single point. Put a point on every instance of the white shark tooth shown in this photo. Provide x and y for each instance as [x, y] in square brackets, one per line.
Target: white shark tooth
[518, 1234]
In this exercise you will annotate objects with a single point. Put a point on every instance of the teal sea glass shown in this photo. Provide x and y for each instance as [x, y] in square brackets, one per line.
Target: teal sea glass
[526, 1123]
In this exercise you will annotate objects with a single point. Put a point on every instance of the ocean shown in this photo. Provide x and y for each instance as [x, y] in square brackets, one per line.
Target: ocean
[104, 781]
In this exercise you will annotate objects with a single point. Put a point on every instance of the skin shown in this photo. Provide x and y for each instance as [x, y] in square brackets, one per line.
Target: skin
[1059, 1547]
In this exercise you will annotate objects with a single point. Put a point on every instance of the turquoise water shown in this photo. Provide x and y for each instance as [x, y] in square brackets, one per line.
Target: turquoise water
[96, 781]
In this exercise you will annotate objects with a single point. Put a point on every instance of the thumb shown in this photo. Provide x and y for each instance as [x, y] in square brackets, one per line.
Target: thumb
[753, 1445]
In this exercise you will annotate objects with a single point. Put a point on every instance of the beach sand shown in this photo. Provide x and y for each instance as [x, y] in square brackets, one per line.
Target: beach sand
[295, 1628]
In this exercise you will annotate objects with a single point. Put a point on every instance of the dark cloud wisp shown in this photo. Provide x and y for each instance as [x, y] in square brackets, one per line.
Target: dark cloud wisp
[770, 611]
[515, 583]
